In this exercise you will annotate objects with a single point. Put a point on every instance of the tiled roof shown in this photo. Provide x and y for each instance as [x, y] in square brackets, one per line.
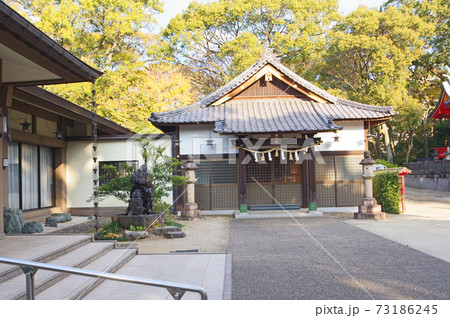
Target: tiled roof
[277, 114]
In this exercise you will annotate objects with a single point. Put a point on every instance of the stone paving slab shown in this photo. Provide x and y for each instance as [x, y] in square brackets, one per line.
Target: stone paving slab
[277, 259]
[205, 270]
[33, 247]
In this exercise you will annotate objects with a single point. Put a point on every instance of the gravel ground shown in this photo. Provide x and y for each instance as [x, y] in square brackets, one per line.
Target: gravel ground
[207, 235]
[83, 227]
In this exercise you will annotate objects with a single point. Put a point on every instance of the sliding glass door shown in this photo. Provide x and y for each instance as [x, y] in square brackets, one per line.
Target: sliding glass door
[30, 176]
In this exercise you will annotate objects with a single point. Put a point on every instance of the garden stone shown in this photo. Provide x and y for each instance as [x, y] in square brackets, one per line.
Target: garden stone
[61, 217]
[13, 221]
[166, 229]
[157, 231]
[133, 235]
[51, 222]
[172, 235]
[32, 227]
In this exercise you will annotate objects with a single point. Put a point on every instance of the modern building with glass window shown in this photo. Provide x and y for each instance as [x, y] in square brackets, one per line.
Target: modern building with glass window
[271, 138]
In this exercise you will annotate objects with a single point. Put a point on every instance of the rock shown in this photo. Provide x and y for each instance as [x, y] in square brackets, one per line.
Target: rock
[13, 221]
[172, 235]
[133, 235]
[32, 227]
[51, 222]
[61, 217]
[165, 229]
[157, 231]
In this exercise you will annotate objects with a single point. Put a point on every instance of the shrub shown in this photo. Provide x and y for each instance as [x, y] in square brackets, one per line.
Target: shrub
[386, 163]
[113, 227]
[386, 190]
[161, 206]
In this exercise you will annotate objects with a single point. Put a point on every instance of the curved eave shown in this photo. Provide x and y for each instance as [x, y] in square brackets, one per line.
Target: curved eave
[442, 109]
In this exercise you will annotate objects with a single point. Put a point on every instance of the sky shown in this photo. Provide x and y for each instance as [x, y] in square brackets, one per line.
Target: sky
[173, 7]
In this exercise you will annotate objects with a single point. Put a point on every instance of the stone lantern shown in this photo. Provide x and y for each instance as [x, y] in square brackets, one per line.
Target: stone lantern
[369, 208]
[190, 210]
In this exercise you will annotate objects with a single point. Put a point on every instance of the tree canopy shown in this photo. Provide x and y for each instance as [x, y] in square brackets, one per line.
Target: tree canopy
[219, 40]
[113, 36]
[394, 56]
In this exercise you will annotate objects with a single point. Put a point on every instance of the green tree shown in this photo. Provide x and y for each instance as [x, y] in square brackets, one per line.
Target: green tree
[113, 36]
[219, 40]
[427, 71]
[369, 61]
[161, 168]
[115, 183]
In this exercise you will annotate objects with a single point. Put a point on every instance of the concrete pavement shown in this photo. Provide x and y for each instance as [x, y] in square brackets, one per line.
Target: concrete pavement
[278, 259]
[425, 226]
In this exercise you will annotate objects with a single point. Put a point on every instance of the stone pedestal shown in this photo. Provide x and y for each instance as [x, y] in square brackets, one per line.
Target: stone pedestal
[369, 209]
[190, 210]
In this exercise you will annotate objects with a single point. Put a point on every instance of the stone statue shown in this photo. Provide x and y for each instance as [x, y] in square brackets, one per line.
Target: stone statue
[141, 195]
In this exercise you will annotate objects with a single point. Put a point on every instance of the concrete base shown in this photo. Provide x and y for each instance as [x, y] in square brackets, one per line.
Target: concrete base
[370, 216]
[315, 213]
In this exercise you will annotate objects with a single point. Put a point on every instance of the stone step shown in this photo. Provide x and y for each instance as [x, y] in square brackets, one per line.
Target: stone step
[14, 288]
[173, 235]
[48, 249]
[76, 287]
[165, 229]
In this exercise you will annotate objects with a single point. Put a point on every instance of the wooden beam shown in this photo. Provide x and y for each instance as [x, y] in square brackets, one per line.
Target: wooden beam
[6, 95]
[36, 111]
[56, 104]
[21, 136]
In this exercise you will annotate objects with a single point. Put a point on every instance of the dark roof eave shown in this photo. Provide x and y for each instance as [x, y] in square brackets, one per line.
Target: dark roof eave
[49, 97]
[24, 31]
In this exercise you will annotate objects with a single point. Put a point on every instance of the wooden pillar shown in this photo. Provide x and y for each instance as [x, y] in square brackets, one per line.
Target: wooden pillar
[309, 179]
[305, 189]
[242, 177]
[366, 132]
[312, 176]
[4, 181]
[60, 179]
[6, 93]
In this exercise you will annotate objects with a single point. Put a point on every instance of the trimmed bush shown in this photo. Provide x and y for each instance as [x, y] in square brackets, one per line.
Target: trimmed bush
[386, 190]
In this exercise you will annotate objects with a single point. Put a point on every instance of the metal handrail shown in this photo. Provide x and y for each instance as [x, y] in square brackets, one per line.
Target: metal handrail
[29, 268]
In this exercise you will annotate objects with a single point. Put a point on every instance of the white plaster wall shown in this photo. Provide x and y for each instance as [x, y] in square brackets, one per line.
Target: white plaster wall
[79, 167]
[351, 137]
[193, 141]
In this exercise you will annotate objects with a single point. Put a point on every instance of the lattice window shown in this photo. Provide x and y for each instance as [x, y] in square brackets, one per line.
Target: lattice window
[261, 172]
[348, 168]
[325, 172]
[287, 172]
[202, 173]
[222, 171]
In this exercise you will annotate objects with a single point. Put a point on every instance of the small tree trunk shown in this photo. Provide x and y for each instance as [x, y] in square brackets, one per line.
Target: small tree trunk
[410, 146]
[379, 153]
[387, 143]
